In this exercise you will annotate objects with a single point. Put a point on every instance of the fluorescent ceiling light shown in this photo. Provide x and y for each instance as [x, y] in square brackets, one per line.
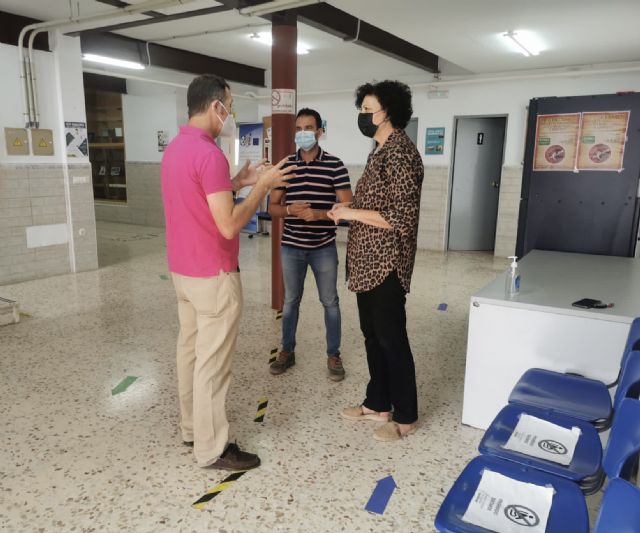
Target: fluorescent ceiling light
[526, 42]
[265, 37]
[112, 61]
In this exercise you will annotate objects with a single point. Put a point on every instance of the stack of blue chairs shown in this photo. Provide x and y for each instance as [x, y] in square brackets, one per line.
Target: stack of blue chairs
[568, 401]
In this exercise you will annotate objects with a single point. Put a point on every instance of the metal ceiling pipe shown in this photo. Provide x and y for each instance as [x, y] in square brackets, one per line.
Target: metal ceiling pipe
[30, 111]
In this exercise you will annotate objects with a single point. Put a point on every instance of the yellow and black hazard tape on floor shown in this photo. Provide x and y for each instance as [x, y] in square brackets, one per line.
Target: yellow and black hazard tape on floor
[262, 410]
[278, 315]
[212, 493]
[272, 355]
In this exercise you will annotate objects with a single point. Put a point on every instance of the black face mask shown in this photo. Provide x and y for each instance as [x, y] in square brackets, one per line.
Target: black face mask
[366, 125]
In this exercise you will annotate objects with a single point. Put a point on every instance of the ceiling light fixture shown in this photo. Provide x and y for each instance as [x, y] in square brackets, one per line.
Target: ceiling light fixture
[266, 38]
[112, 61]
[524, 41]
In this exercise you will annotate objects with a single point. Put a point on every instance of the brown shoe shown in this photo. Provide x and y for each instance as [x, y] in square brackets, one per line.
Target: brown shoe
[233, 458]
[336, 370]
[282, 362]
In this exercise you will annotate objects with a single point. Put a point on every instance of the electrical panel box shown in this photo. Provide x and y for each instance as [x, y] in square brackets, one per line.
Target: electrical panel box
[42, 141]
[17, 140]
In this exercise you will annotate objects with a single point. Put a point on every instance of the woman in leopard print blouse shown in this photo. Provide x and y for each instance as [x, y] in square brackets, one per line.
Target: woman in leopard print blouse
[381, 249]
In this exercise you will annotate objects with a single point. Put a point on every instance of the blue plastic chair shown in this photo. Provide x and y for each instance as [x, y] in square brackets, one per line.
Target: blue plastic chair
[621, 453]
[568, 511]
[585, 468]
[575, 396]
[620, 509]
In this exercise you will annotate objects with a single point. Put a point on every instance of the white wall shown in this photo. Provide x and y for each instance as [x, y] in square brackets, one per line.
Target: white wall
[60, 95]
[486, 98]
[143, 118]
[148, 107]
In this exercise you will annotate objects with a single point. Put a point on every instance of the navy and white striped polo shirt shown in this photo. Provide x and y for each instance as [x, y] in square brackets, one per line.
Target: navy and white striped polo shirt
[316, 183]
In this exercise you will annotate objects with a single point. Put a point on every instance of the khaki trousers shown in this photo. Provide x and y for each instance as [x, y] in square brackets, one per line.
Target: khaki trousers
[209, 310]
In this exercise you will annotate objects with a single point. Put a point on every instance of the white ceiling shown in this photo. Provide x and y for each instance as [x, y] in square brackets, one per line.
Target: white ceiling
[466, 34]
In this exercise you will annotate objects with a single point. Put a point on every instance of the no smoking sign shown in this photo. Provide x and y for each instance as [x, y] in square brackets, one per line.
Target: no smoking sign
[283, 101]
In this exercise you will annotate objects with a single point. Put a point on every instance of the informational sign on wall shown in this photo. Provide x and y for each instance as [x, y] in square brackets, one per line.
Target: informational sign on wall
[602, 140]
[434, 143]
[76, 139]
[283, 101]
[556, 142]
[581, 141]
[250, 146]
[163, 140]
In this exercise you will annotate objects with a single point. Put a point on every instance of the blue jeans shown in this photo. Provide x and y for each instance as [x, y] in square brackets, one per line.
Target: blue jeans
[324, 264]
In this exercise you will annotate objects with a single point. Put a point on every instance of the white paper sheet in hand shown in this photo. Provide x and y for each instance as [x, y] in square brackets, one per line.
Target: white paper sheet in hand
[505, 505]
[539, 438]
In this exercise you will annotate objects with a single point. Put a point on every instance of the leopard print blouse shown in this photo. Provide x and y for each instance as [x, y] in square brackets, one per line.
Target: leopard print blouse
[391, 184]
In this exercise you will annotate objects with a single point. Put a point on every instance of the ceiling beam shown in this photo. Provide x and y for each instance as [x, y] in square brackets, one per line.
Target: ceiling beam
[122, 47]
[154, 20]
[120, 3]
[327, 18]
[332, 20]
[11, 25]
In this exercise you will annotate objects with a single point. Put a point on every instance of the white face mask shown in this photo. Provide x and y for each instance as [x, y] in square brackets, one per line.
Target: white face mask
[228, 124]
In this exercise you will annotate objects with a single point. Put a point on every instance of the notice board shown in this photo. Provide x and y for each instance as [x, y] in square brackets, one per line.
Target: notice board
[581, 173]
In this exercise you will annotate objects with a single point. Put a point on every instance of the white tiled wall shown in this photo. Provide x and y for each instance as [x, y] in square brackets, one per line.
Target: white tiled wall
[34, 195]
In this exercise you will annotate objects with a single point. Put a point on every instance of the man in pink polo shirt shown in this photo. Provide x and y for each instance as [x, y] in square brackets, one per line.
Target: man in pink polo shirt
[202, 224]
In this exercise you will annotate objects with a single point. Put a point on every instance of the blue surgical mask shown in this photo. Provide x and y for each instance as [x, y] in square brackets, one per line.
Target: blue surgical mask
[306, 140]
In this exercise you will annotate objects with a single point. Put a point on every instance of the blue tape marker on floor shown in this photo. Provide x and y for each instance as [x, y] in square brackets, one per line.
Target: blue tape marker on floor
[381, 495]
[442, 307]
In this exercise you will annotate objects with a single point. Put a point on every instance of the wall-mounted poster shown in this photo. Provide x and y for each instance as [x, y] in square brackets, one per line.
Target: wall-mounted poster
[556, 142]
[250, 137]
[163, 140]
[434, 141]
[602, 140]
[76, 139]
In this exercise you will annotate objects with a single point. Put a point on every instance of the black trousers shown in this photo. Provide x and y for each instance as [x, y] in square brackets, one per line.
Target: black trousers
[383, 322]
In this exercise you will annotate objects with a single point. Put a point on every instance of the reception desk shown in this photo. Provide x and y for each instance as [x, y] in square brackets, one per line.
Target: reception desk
[541, 329]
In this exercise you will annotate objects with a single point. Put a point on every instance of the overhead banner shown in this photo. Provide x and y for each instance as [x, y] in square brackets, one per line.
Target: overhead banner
[556, 142]
[602, 140]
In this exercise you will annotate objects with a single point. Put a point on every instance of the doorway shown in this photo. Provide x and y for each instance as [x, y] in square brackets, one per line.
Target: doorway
[477, 166]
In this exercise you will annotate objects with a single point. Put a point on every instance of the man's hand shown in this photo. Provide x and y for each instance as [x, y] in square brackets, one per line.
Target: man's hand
[250, 173]
[309, 215]
[297, 208]
[274, 176]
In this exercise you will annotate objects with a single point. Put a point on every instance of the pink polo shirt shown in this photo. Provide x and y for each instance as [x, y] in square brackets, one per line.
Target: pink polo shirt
[193, 166]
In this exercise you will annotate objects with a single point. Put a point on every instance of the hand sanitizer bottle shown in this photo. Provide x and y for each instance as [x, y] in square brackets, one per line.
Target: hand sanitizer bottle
[512, 284]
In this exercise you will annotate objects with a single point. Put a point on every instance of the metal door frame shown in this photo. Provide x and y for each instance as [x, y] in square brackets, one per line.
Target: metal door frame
[454, 140]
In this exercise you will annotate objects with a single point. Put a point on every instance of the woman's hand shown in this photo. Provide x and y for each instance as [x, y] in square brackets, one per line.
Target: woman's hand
[341, 211]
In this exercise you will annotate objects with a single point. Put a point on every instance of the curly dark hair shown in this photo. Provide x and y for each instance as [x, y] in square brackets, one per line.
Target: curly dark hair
[394, 97]
[306, 112]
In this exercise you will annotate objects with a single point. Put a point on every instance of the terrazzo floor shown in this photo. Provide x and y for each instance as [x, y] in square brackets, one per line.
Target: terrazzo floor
[74, 457]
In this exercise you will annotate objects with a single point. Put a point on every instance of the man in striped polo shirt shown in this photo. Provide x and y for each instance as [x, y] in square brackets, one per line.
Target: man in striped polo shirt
[309, 238]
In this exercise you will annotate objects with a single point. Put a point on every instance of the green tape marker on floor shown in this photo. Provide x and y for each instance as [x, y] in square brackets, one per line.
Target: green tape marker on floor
[164, 277]
[123, 385]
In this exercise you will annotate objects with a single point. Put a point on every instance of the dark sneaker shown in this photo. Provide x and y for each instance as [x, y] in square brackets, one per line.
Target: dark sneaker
[336, 370]
[233, 458]
[282, 362]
